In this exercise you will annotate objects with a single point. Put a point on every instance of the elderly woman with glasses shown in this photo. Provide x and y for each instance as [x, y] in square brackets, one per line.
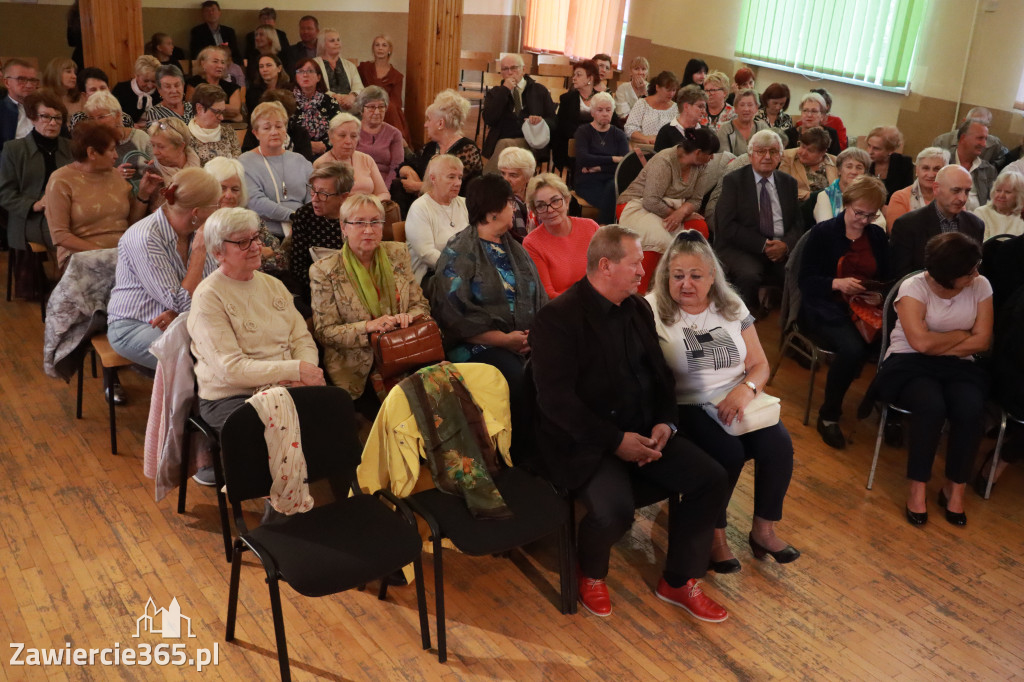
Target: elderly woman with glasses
[276, 177]
[318, 223]
[380, 73]
[844, 257]
[517, 166]
[558, 246]
[716, 85]
[813, 110]
[377, 138]
[246, 334]
[437, 215]
[366, 287]
[211, 137]
[699, 316]
[170, 83]
[810, 164]
[945, 317]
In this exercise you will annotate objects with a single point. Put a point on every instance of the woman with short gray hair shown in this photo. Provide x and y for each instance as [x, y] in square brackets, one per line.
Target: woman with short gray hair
[380, 140]
[170, 83]
[930, 161]
[246, 333]
[517, 166]
[1002, 212]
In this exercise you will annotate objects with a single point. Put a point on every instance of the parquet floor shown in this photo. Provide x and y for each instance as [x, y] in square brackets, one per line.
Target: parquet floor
[83, 545]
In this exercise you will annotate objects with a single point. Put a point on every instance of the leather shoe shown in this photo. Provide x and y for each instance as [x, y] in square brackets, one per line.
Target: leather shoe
[917, 518]
[783, 556]
[119, 396]
[726, 566]
[691, 598]
[954, 518]
[594, 596]
[831, 434]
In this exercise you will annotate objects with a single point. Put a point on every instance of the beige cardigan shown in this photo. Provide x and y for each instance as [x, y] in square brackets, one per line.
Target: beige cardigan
[339, 317]
[791, 166]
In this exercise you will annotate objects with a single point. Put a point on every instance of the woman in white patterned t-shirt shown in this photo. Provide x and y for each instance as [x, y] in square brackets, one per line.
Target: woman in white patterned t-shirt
[708, 338]
[945, 317]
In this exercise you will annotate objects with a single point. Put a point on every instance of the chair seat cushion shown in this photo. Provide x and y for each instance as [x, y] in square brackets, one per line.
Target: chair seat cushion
[366, 540]
[537, 511]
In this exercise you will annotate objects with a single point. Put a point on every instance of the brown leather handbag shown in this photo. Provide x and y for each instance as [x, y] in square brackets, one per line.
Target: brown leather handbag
[403, 350]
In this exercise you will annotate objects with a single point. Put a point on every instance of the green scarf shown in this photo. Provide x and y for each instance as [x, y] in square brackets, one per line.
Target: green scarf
[380, 278]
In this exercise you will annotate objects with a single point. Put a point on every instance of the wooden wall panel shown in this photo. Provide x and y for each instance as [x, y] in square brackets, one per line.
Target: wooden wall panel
[112, 36]
[434, 44]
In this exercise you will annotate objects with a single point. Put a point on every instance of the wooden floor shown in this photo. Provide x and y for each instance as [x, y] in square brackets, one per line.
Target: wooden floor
[84, 545]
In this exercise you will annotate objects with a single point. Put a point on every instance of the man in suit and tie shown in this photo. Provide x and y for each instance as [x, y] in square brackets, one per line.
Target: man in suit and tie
[210, 32]
[757, 219]
[945, 213]
[605, 426]
[519, 98]
[21, 80]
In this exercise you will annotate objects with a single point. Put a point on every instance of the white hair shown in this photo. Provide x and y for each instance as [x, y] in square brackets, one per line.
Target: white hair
[101, 102]
[933, 153]
[225, 222]
[602, 98]
[765, 138]
[517, 158]
[223, 169]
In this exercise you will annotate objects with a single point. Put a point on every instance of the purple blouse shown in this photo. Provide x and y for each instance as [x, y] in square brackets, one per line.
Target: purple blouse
[385, 148]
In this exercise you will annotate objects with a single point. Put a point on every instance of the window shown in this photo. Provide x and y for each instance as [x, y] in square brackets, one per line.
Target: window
[576, 28]
[866, 42]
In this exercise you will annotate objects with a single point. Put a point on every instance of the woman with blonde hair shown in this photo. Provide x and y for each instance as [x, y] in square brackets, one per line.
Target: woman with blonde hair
[627, 94]
[343, 132]
[896, 170]
[61, 77]
[381, 73]
[139, 93]
[558, 246]
[266, 43]
[172, 152]
[719, 111]
[444, 120]
[160, 261]
[212, 68]
[134, 148]
[437, 215]
[340, 76]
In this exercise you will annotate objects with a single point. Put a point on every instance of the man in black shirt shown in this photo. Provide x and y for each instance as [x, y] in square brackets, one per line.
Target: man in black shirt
[605, 426]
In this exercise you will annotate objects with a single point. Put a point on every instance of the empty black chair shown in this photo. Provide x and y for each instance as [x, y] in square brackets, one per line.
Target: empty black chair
[330, 548]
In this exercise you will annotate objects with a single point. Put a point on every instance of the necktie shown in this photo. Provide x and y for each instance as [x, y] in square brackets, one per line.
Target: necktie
[517, 101]
[766, 222]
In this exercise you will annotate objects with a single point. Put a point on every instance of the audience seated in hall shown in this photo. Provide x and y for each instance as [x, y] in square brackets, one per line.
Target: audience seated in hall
[317, 224]
[812, 115]
[437, 215]
[600, 147]
[649, 115]
[928, 163]
[575, 108]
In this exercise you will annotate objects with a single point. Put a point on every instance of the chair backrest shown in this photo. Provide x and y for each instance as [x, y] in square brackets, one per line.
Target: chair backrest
[552, 83]
[563, 71]
[470, 54]
[329, 442]
[889, 316]
[789, 309]
[627, 170]
[561, 59]
[398, 231]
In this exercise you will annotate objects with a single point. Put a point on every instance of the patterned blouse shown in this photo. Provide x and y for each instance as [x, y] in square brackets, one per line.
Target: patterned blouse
[315, 113]
[724, 116]
[159, 111]
[464, 148]
[782, 122]
[227, 146]
[309, 229]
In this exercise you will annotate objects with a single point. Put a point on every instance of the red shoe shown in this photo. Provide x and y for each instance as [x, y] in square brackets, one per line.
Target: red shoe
[693, 599]
[594, 596]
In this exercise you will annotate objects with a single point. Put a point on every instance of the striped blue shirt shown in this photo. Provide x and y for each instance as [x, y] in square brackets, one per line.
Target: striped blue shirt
[149, 272]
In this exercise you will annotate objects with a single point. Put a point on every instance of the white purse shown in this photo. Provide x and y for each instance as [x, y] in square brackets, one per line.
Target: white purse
[763, 411]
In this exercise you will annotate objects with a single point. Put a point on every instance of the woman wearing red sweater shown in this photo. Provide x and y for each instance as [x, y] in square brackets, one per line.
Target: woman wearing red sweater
[558, 246]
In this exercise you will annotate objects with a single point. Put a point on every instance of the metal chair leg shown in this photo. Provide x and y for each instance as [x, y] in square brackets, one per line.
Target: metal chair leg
[421, 603]
[282, 643]
[186, 459]
[782, 353]
[995, 454]
[442, 640]
[236, 570]
[815, 359]
[109, 380]
[222, 499]
[78, 398]
[878, 445]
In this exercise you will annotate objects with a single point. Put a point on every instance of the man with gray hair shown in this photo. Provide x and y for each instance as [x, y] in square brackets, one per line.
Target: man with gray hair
[971, 139]
[758, 220]
[518, 99]
[994, 152]
[605, 426]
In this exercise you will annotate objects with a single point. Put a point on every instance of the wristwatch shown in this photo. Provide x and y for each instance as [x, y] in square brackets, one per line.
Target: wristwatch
[751, 385]
[673, 428]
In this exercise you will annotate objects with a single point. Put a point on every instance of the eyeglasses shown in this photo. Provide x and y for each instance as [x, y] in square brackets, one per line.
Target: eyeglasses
[219, 113]
[553, 205]
[306, 72]
[22, 80]
[713, 90]
[321, 194]
[244, 244]
[375, 107]
[758, 151]
[363, 224]
[511, 68]
[50, 119]
[867, 215]
[810, 111]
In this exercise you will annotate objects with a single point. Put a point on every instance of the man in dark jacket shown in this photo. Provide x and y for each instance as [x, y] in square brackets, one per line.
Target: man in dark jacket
[605, 426]
[519, 98]
[211, 32]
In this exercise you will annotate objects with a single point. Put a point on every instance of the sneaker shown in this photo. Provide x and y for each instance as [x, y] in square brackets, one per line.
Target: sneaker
[205, 476]
[831, 434]
[692, 598]
[594, 596]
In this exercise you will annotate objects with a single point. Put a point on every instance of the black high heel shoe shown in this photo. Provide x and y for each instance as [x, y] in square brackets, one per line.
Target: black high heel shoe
[954, 518]
[917, 518]
[726, 566]
[783, 556]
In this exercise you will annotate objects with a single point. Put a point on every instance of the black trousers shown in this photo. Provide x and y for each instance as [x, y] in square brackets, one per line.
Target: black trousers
[933, 400]
[851, 351]
[748, 273]
[770, 448]
[608, 496]
[512, 366]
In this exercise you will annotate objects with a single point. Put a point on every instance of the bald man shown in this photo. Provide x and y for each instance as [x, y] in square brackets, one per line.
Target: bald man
[946, 213]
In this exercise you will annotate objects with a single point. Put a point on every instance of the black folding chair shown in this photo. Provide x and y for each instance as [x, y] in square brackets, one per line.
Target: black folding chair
[330, 548]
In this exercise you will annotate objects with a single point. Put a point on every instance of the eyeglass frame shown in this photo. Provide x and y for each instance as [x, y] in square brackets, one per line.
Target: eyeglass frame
[248, 242]
[541, 207]
[320, 193]
[366, 223]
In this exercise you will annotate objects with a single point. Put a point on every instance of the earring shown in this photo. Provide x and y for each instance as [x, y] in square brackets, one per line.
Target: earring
[195, 219]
